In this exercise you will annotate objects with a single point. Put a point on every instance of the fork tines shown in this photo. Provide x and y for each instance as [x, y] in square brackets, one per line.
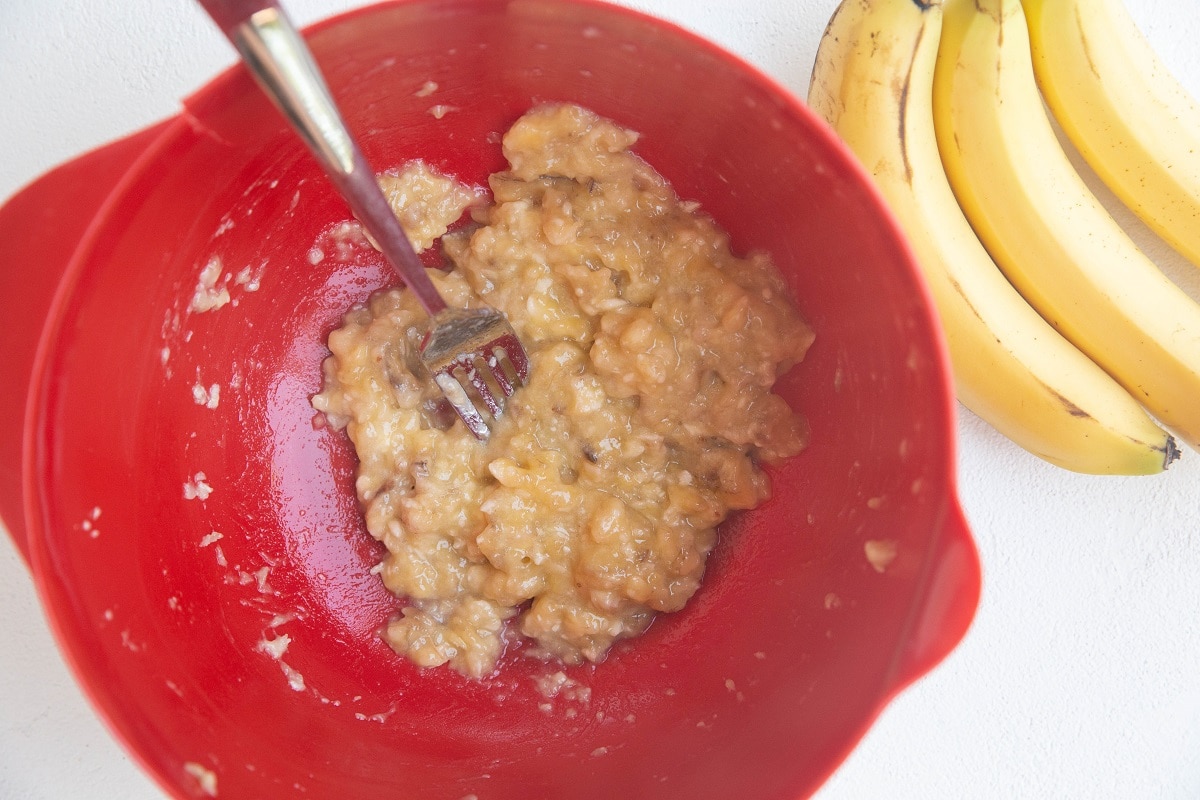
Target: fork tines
[477, 360]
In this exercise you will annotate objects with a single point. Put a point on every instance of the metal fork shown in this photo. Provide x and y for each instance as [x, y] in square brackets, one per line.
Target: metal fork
[471, 354]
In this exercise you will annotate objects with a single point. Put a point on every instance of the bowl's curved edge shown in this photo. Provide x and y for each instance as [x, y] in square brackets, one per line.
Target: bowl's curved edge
[951, 575]
[940, 619]
[41, 226]
[40, 559]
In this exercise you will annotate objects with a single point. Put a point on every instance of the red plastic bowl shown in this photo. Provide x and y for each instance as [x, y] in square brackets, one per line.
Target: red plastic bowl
[757, 690]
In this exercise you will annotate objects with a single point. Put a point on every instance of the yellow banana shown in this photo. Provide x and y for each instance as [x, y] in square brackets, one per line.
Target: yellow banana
[1052, 237]
[873, 82]
[1134, 124]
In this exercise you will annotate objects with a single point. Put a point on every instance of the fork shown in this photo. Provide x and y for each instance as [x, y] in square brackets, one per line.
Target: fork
[471, 354]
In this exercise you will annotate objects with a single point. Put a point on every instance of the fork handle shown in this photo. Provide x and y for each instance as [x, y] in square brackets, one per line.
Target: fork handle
[276, 55]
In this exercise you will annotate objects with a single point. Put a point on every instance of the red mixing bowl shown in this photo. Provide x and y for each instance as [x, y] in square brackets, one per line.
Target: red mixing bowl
[756, 691]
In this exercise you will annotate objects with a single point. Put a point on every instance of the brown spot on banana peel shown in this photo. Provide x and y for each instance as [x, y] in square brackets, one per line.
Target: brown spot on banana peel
[999, 49]
[1083, 40]
[902, 98]
[959, 290]
[994, 15]
[1072, 409]
[1169, 449]
[997, 16]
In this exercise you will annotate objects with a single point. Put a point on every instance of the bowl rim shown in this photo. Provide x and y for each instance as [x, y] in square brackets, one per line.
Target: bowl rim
[960, 595]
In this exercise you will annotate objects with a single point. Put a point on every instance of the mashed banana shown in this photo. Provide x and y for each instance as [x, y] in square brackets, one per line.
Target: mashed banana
[595, 502]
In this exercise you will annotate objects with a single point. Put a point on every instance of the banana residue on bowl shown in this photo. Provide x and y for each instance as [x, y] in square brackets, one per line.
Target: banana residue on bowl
[646, 421]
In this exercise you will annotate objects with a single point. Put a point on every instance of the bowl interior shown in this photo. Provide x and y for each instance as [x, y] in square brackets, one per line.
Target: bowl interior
[172, 607]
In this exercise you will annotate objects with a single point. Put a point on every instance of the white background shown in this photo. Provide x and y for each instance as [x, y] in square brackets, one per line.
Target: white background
[1081, 675]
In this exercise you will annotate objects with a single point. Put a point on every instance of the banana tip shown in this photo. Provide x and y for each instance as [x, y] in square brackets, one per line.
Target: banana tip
[1171, 452]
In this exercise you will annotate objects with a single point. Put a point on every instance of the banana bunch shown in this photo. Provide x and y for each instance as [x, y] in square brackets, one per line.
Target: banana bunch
[1062, 334]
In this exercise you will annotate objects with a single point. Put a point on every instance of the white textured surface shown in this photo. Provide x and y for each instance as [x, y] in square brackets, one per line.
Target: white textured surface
[1081, 676]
